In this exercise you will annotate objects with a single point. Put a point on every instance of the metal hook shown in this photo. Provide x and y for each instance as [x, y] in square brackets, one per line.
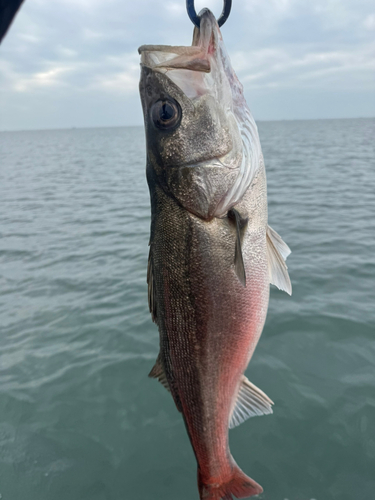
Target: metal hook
[195, 19]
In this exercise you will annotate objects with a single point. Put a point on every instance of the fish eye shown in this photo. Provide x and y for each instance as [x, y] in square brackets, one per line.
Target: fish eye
[166, 114]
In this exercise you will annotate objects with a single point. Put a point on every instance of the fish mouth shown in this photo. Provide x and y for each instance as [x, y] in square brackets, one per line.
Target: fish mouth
[174, 57]
[194, 69]
[192, 75]
[197, 57]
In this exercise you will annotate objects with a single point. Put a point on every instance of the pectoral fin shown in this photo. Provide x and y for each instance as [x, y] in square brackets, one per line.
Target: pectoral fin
[239, 265]
[151, 288]
[277, 252]
[251, 402]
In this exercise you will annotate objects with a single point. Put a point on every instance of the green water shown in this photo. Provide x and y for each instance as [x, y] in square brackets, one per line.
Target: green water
[80, 420]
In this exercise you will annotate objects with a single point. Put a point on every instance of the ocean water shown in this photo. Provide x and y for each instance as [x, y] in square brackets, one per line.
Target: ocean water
[80, 419]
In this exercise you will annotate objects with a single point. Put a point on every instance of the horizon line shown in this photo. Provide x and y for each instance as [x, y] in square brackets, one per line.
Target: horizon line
[136, 126]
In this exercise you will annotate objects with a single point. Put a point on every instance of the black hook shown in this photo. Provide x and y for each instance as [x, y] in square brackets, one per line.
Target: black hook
[195, 19]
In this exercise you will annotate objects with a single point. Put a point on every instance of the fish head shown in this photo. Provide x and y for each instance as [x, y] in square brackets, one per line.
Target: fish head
[192, 103]
[181, 131]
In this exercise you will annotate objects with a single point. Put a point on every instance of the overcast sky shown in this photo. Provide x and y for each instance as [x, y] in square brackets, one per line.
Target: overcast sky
[74, 63]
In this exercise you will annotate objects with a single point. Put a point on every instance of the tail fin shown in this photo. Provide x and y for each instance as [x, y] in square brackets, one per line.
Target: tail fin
[239, 485]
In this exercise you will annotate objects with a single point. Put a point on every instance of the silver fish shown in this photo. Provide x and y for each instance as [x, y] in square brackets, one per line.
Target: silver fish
[212, 253]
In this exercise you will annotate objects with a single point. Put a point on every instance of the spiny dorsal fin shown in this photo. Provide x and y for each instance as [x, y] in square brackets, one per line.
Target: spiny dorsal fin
[277, 252]
[159, 373]
[151, 288]
[250, 402]
[238, 258]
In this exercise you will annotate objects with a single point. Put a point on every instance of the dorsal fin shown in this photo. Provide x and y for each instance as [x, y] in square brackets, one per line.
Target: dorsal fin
[159, 373]
[277, 252]
[250, 402]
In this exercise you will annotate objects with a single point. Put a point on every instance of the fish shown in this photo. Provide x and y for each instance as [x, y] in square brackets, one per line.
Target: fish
[212, 254]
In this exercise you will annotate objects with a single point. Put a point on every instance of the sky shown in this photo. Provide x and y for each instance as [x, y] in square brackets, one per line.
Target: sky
[74, 63]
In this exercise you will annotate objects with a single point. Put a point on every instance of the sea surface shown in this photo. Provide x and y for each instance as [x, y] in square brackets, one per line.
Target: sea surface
[80, 419]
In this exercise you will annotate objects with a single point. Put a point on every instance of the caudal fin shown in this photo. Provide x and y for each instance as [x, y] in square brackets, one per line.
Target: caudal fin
[239, 485]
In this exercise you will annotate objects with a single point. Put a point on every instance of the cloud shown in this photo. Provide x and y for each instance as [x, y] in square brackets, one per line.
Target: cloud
[122, 75]
[369, 22]
[301, 68]
[71, 55]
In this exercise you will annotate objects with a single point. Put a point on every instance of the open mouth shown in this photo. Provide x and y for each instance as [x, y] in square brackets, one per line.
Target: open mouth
[187, 67]
[193, 68]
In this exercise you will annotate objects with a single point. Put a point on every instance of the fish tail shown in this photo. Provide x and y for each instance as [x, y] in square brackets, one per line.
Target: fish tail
[239, 485]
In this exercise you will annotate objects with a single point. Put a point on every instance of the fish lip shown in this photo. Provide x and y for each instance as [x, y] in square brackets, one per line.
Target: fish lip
[166, 53]
[172, 49]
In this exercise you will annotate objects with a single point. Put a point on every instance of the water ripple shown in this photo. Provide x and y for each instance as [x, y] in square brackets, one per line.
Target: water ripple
[79, 417]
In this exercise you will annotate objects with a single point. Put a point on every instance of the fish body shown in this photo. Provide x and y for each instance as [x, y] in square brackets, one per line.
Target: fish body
[212, 254]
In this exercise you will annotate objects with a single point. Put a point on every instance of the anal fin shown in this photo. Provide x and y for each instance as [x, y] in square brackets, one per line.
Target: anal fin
[250, 402]
[159, 373]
